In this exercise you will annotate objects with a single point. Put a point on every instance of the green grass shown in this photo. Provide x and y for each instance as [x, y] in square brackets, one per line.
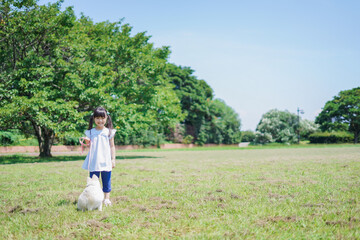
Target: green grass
[19, 158]
[250, 147]
[269, 193]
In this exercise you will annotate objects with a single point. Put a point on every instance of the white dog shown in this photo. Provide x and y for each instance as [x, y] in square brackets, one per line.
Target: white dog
[92, 197]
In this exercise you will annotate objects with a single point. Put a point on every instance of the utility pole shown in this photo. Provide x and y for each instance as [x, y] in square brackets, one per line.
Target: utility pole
[299, 111]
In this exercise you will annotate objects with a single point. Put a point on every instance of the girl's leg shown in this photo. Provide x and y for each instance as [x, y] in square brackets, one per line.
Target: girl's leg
[106, 181]
[107, 195]
[96, 173]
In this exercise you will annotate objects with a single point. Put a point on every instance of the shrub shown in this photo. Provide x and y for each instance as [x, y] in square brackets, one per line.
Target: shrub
[143, 137]
[263, 138]
[247, 136]
[307, 128]
[13, 137]
[71, 140]
[7, 138]
[188, 139]
[203, 137]
[331, 137]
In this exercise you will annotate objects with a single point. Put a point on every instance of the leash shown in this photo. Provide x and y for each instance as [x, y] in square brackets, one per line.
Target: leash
[81, 140]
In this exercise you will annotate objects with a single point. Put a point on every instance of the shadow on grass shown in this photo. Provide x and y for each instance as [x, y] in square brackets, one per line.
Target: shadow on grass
[13, 159]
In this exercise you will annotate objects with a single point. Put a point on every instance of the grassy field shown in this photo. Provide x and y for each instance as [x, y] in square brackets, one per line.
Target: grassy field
[285, 193]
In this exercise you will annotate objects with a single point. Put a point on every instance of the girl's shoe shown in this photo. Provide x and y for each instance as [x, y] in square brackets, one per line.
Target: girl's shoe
[107, 202]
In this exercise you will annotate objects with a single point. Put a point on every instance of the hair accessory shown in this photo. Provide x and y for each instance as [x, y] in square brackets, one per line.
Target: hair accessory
[107, 113]
[92, 114]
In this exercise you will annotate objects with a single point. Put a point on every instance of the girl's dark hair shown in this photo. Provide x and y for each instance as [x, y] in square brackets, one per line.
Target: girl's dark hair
[101, 112]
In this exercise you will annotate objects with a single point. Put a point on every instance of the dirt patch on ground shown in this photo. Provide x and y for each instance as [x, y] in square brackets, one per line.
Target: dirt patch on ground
[20, 209]
[278, 196]
[175, 217]
[94, 224]
[234, 196]
[221, 205]
[72, 197]
[98, 225]
[350, 222]
[121, 199]
[30, 210]
[193, 215]
[141, 208]
[166, 205]
[276, 219]
[15, 209]
[212, 198]
[133, 185]
[313, 205]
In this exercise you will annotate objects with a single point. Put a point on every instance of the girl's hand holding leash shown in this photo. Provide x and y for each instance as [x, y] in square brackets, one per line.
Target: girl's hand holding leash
[87, 140]
[84, 141]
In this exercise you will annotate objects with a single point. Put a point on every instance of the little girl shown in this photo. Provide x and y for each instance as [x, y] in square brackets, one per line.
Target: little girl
[101, 156]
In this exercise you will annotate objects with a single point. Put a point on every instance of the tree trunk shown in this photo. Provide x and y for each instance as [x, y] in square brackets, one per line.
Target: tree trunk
[45, 146]
[45, 138]
[356, 137]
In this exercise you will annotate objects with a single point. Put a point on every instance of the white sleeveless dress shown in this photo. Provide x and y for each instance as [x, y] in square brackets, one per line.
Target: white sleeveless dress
[99, 156]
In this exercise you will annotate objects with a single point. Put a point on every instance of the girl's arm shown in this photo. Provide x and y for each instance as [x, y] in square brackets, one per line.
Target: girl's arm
[112, 148]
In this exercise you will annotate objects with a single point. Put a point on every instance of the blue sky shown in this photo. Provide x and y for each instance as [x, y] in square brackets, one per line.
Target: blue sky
[256, 55]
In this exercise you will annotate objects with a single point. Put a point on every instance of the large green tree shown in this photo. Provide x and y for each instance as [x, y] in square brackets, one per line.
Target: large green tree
[31, 99]
[195, 96]
[342, 113]
[225, 123]
[55, 69]
[208, 120]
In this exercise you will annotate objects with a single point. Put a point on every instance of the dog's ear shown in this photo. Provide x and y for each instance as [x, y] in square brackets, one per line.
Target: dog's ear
[94, 177]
